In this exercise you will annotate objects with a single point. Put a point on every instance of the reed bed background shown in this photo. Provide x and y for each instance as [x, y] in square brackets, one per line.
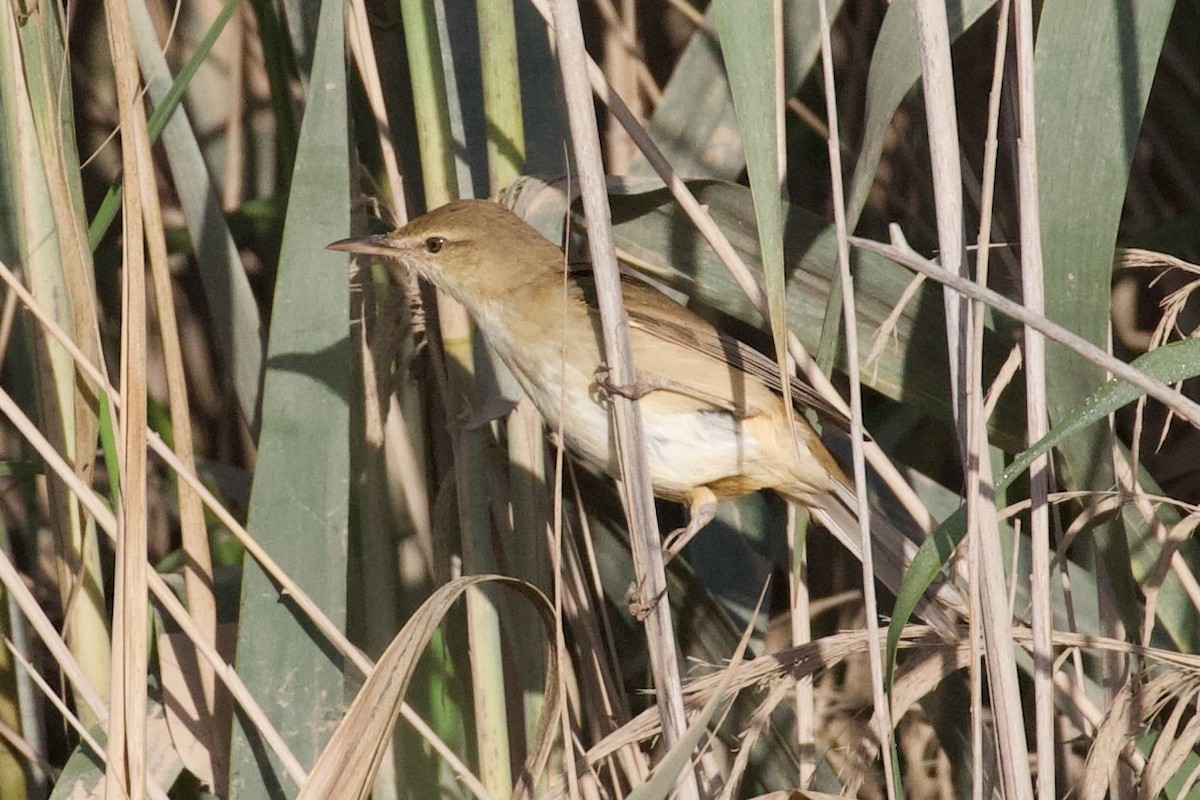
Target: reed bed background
[251, 548]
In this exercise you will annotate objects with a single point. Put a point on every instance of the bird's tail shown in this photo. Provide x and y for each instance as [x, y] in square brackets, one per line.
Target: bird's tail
[892, 552]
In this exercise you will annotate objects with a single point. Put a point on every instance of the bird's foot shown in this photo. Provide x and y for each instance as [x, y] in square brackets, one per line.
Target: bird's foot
[641, 606]
[604, 386]
[702, 509]
[651, 382]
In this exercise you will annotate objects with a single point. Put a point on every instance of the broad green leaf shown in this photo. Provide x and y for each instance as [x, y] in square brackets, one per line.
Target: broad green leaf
[299, 505]
[694, 123]
[748, 43]
[1086, 134]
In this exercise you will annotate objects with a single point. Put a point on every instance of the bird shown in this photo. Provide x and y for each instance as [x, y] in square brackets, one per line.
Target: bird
[715, 421]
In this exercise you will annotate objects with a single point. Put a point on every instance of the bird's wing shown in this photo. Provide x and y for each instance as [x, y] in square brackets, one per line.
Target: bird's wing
[654, 313]
[661, 317]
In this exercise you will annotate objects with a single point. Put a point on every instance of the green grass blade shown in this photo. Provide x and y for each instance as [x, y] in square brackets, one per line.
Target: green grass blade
[1171, 363]
[165, 107]
[748, 43]
[299, 506]
[234, 310]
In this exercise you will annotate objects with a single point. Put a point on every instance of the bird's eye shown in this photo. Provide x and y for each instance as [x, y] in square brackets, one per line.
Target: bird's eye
[434, 244]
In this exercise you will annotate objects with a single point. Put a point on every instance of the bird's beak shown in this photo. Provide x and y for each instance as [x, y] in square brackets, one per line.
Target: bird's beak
[378, 245]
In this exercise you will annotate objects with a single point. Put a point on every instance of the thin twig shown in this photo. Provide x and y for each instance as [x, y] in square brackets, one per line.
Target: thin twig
[905, 256]
[974, 547]
[1033, 294]
[849, 312]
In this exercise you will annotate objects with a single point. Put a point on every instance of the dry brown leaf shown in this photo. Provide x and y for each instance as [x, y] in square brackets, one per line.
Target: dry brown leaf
[1170, 751]
[1106, 749]
[201, 747]
[347, 767]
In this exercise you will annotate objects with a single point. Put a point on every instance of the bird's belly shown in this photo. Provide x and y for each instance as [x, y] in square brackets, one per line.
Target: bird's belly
[694, 448]
[685, 449]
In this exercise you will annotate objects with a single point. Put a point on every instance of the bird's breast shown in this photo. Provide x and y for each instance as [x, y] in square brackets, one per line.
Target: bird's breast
[690, 443]
[687, 443]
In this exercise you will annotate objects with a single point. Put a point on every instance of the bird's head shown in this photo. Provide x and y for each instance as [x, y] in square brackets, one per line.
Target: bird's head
[471, 249]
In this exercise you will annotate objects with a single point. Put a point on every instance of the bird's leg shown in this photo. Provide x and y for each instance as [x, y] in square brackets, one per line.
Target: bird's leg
[702, 507]
[651, 382]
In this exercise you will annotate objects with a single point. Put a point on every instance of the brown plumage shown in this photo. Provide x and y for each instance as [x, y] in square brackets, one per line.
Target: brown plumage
[715, 423]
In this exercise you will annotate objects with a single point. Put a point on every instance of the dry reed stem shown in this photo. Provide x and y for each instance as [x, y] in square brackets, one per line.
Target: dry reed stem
[850, 331]
[125, 771]
[639, 499]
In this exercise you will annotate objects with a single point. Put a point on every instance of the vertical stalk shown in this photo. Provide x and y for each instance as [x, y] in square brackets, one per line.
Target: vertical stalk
[126, 770]
[1033, 292]
[483, 616]
[639, 498]
[938, 83]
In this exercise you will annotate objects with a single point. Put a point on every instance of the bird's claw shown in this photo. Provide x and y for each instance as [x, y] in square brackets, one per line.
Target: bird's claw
[647, 383]
[640, 606]
[702, 509]
[605, 387]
